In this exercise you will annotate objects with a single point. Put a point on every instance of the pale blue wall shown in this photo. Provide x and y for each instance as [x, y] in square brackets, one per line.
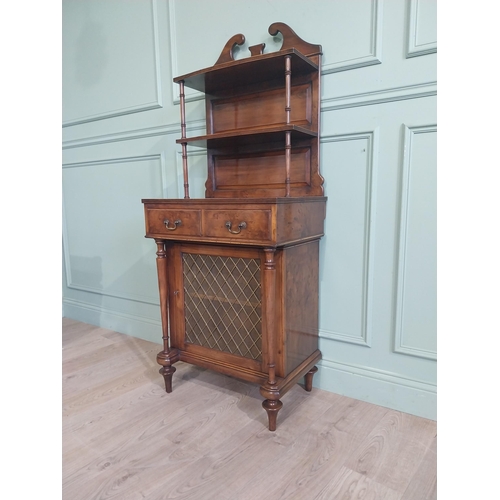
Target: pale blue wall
[378, 157]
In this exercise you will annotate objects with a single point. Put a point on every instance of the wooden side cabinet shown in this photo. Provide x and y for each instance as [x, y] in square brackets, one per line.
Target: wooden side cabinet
[238, 270]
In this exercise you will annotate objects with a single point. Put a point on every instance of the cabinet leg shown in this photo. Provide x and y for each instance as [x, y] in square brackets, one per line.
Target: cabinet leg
[167, 372]
[272, 408]
[308, 378]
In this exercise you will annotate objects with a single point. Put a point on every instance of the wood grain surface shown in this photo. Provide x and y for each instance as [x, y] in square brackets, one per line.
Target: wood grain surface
[125, 438]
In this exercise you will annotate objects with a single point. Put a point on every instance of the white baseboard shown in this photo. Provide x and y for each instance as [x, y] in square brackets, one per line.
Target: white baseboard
[137, 326]
[378, 387]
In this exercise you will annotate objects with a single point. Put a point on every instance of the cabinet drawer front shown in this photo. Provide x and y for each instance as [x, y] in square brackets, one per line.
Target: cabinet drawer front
[173, 222]
[238, 224]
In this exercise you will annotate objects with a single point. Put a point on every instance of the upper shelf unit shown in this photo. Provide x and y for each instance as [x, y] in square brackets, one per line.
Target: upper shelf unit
[262, 120]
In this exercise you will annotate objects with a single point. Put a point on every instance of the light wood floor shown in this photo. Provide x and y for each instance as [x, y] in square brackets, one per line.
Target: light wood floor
[125, 438]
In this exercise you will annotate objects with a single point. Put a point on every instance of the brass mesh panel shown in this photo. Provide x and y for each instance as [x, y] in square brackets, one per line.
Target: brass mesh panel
[222, 299]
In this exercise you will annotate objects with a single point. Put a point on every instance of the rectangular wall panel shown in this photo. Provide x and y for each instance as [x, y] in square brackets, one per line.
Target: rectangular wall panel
[110, 59]
[416, 314]
[344, 306]
[105, 248]
[422, 27]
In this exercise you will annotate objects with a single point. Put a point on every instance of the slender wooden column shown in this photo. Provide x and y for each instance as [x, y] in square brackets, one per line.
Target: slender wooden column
[288, 86]
[270, 298]
[288, 142]
[272, 404]
[288, 148]
[165, 357]
[183, 136]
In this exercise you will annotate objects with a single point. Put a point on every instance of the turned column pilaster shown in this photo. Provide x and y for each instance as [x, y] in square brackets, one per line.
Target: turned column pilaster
[165, 357]
[272, 403]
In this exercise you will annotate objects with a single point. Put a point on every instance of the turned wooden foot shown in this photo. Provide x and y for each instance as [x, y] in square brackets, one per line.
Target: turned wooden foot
[272, 408]
[167, 372]
[308, 378]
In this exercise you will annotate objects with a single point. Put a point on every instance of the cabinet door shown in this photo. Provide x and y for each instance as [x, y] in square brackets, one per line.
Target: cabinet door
[216, 304]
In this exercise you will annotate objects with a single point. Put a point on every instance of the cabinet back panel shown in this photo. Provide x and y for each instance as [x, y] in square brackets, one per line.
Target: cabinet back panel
[261, 169]
[262, 109]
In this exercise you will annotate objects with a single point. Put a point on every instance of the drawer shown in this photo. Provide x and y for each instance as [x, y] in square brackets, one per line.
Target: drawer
[237, 224]
[180, 222]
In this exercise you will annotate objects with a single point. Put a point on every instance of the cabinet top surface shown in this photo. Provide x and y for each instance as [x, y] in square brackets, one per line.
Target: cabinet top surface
[232, 201]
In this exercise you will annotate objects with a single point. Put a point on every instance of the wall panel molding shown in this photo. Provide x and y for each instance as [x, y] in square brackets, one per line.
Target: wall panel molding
[146, 106]
[374, 55]
[400, 344]
[140, 133]
[70, 282]
[379, 96]
[365, 336]
[122, 136]
[413, 47]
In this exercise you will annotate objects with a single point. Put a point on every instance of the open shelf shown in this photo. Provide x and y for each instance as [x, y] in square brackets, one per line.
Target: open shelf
[247, 71]
[260, 135]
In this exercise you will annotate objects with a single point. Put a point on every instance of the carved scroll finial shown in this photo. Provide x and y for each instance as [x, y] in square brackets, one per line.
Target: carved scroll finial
[292, 40]
[227, 52]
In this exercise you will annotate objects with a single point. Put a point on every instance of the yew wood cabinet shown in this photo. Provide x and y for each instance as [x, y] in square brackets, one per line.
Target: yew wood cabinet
[238, 270]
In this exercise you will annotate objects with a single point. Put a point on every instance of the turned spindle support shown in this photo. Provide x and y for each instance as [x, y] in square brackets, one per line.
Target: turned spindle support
[183, 136]
[288, 142]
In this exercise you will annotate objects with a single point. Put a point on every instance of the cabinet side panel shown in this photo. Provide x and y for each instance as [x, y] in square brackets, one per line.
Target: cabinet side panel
[301, 302]
[300, 220]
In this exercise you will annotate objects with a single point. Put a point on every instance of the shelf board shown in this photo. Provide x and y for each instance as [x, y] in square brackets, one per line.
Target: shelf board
[273, 133]
[247, 71]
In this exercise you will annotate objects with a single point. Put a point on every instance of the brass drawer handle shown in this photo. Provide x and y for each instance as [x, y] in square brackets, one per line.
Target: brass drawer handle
[177, 222]
[241, 225]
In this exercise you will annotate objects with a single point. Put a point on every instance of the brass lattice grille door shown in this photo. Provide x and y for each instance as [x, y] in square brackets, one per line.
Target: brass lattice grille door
[222, 302]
